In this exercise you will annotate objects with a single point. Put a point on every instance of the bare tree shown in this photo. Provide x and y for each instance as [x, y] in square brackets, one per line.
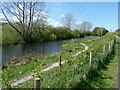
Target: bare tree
[24, 13]
[68, 20]
[85, 26]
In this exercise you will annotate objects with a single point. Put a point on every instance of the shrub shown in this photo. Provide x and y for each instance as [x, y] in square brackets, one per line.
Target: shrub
[99, 31]
[53, 37]
[117, 32]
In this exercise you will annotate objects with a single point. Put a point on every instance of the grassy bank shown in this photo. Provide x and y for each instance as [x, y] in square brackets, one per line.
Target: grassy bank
[107, 76]
[27, 63]
[73, 71]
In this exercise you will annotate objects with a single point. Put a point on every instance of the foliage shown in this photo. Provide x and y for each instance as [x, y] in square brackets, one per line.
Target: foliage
[24, 20]
[26, 64]
[62, 33]
[76, 69]
[99, 31]
[10, 36]
[77, 34]
[117, 32]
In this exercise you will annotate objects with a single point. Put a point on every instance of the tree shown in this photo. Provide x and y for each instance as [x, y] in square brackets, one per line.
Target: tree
[68, 20]
[86, 26]
[99, 31]
[40, 27]
[24, 13]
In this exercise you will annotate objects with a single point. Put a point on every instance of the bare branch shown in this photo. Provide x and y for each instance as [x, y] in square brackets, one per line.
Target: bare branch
[68, 20]
[25, 12]
[10, 22]
[85, 26]
[14, 14]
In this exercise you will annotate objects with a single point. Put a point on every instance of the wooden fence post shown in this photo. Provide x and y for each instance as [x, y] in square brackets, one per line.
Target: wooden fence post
[37, 84]
[109, 47]
[90, 59]
[113, 40]
[60, 62]
[104, 50]
[81, 53]
[111, 44]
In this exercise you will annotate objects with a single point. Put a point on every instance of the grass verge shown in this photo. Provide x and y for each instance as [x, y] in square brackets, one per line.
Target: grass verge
[76, 72]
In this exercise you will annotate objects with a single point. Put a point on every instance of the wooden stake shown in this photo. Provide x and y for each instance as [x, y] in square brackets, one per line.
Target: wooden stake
[109, 47]
[60, 62]
[37, 84]
[90, 59]
[104, 49]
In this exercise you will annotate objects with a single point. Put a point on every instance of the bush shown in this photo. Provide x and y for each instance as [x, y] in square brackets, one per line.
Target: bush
[99, 31]
[53, 37]
[10, 36]
[117, 32]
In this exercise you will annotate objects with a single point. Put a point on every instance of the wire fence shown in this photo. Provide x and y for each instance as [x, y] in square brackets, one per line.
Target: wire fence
[89, 62]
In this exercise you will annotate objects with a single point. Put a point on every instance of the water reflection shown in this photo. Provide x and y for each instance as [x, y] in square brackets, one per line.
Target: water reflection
[20, 49]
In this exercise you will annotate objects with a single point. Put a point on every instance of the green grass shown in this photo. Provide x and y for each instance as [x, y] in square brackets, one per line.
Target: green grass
[72, 72]
[18, 71]
[107, 77]
[10, 36]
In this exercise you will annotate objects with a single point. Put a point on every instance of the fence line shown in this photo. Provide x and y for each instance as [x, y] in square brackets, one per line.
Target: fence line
[105, 51]
[37, 80]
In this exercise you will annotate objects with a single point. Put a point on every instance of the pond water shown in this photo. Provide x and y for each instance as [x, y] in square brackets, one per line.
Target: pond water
[41, 48]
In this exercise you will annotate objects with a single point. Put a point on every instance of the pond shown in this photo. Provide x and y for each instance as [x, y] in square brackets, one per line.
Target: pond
[41, 48]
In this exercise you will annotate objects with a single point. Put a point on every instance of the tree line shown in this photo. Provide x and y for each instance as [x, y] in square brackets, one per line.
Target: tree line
[32, 25]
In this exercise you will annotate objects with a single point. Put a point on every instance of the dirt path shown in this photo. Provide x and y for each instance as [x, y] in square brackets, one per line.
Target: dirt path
[28, 77]
[86, 47]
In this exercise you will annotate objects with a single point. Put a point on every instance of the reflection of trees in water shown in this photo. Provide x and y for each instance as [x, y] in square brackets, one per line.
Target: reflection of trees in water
[36, 47]
[11, 51]
[22, 49]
